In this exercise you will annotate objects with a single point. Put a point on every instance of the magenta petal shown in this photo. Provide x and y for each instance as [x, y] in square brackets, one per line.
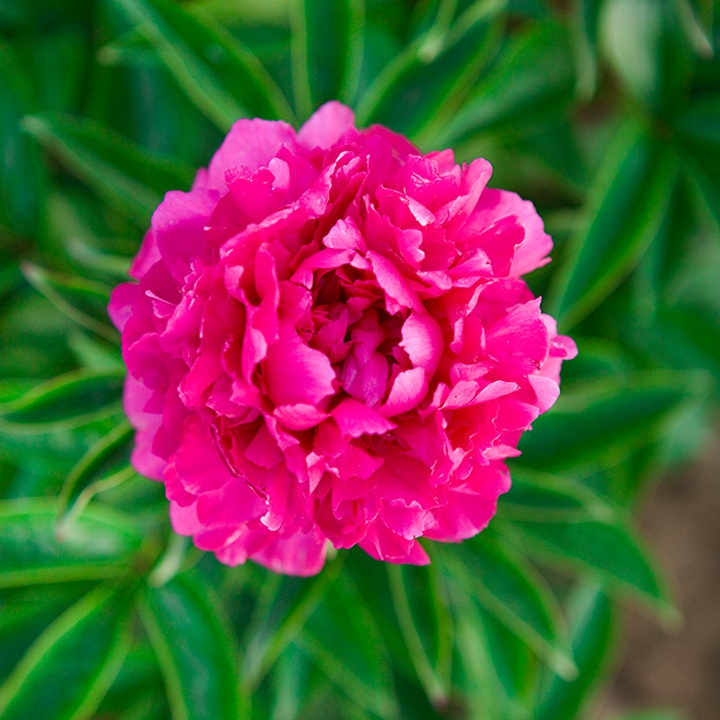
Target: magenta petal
[299, 417]
[409, 388]
[326, 126]
[422, 339]
[295, 373]
[355, 419]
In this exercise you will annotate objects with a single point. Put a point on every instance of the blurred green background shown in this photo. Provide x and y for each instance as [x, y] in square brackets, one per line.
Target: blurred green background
[605, 113]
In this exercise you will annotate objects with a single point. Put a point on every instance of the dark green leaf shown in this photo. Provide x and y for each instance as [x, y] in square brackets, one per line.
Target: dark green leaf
[195, 651]
[129, 177]
[105, 463]
[23, 185]
[67, 671]
[586, 20]
[421, 608]
[645, 42]
[624, 212]
[421, 89]
[347, 644]
[602, 422]
[83, 301]
[283, 606]
[607, 549]
[538, 497]
[592, 622]
[99, 544]
[222, 77]
[503, 583]
[65, 401]
[328, 46]
[699, 134]
[532, 78]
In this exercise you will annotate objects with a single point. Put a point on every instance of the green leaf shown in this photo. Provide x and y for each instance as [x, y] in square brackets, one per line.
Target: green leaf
[126, 175]
[600, 423]
[624, 211]
[585, 36]
[532, 78]
[83, 301]
[697, 130]
[104, 465]
[503, 583]
[69, 400]
[422, 88]
[283, 606]
[67, 671]
[645, 43]
[609, 550]
[23, 185]
[421, 608]
[222, 77]
[346, 642]
[101, 544]
[327, 51]
[592, 621]
[195, 651]
[539, 497]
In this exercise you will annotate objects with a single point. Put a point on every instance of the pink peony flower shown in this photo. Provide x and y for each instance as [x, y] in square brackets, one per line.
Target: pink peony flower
[329, 341]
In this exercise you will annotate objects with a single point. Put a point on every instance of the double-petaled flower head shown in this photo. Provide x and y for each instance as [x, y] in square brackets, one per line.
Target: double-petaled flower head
[329, 342]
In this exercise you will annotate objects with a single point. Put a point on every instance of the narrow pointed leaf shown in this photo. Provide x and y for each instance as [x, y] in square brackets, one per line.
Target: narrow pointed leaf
[512, 591]
[67, 671]
[609, 549]
[538, 497]
[421, 607]
[426, 83]
[68, 400]
[100, 544]
[624, 212]
[600, 423]
[109, 456]
[532, 78]
[23, 184]
[328, 45]
[223, 78]
[592, 622]
[121, 172]
[83, 301]
[195, 651]
[347, 644]
[284, 605]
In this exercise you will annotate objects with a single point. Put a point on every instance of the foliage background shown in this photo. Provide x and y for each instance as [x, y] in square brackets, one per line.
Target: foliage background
[606, 113]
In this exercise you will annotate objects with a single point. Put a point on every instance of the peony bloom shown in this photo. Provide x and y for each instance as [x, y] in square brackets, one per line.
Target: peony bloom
[329, 341]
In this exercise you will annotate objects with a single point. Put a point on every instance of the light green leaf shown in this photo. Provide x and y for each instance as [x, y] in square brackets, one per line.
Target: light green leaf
[600, 423]
[421, 606]
[222, 77]
[67, 671]
[625, 209]
[101, 544]
[609, 550]
[126, 175]
[83, 301]
[195, 651]
[327, 51]
[592, 621]
[422, 88]
[69, 400]
[503, 583]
